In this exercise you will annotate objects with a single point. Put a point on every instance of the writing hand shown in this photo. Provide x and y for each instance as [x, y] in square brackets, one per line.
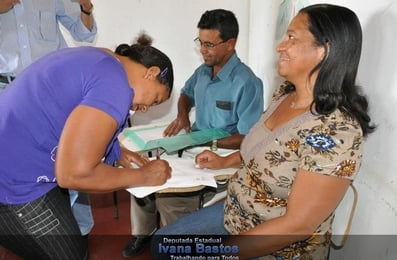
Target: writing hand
[156, 172]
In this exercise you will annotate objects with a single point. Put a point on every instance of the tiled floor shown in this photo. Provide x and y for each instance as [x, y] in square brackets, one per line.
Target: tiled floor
[109, 235]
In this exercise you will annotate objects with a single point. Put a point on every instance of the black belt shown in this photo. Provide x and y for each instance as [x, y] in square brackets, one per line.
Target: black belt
[6, 79]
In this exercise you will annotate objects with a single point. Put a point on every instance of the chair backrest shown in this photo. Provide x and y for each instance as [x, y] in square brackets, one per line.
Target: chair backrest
[344, 217]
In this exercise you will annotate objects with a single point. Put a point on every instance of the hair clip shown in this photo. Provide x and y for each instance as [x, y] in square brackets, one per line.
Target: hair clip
[164, 72]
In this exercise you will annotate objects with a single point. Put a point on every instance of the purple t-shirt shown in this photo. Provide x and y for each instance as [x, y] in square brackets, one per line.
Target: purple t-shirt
[35, 106]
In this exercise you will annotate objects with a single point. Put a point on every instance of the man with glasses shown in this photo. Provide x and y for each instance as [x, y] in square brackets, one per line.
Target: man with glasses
[226, 94]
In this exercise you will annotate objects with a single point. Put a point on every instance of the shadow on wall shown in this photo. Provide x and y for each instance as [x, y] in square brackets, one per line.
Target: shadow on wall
[378, 74]
[374, 229]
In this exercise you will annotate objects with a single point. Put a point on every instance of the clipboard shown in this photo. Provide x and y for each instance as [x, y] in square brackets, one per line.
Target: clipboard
[139, 138]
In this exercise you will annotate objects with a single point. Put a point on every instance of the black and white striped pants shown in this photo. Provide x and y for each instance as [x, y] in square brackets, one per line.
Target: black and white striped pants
[42, 229]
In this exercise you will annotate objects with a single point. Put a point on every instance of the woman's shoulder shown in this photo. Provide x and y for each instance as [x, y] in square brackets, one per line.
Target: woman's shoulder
[332, 144]
[338, 117]
[282, 90]
[337, 125]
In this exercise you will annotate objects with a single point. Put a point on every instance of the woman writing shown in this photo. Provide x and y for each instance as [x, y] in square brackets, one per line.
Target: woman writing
[297, 162]
[59, 123]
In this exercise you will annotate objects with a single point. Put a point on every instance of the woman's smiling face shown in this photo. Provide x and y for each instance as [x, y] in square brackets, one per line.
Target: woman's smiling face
[298, 52]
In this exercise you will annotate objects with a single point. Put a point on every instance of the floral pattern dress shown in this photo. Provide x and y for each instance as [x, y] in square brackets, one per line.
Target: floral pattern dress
[330, 145]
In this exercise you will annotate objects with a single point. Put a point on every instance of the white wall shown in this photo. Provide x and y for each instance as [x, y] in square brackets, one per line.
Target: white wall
[173, 26]
[172, 23]
[377, 207]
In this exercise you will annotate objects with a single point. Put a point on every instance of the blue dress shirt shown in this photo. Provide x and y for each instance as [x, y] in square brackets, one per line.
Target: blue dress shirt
[232, 100]
[31, 29]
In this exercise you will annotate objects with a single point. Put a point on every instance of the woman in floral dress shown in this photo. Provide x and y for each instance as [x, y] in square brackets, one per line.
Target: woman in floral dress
[297, 162]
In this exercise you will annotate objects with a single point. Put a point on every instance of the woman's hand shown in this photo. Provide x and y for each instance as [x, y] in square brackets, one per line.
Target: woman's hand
[209, 160]
[128, 157]
[156, 172]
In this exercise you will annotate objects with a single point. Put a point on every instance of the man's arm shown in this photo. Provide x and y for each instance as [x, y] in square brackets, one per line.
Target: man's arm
[230, 142]
[86, 14]
[6, 6]
[82, 29]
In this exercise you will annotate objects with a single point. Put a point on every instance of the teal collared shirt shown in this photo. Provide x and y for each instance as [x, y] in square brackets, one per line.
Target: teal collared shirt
[232, 100]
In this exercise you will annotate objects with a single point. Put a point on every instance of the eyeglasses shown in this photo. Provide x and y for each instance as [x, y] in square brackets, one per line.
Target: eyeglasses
[207, 45]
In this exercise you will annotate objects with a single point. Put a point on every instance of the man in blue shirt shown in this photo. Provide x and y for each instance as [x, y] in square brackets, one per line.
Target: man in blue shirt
[30, 29]
[226, 94]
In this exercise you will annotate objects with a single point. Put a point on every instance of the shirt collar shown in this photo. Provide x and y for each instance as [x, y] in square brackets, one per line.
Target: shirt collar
[224, 73]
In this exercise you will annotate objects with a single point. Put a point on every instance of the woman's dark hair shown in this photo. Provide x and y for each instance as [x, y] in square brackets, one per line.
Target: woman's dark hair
[338, 30]
[143, 53]
[222, 20]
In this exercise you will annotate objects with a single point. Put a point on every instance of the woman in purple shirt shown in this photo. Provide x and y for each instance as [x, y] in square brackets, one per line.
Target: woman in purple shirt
[59, 124]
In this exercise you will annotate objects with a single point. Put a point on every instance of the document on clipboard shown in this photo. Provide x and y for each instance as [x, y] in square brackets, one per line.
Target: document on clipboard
[184, 175]
[151, 137]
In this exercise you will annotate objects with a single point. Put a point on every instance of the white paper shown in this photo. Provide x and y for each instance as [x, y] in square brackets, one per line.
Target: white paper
[184, 174]
[151, 133]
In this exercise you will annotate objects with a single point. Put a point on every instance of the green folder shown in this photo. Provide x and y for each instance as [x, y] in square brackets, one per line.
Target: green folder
[178, 142]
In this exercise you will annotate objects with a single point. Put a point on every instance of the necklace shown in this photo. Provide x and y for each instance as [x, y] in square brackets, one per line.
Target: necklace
[293, 104]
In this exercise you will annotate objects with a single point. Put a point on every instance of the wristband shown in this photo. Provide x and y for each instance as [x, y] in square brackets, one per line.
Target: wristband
[214, 145]
[86, 12]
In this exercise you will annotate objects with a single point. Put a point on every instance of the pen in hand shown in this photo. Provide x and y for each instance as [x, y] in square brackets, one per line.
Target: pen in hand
[157, 154]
